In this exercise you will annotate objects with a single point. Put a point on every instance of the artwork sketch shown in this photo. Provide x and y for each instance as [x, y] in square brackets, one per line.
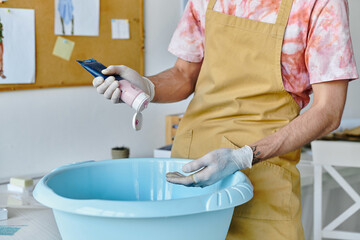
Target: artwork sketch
[1, 52]
[66, 11]
[72, 17]
[17, 46]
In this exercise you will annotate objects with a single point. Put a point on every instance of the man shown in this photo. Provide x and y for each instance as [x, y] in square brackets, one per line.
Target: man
[250, 80]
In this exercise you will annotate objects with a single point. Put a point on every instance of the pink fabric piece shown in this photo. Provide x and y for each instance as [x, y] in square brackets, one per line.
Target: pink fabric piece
[317, 45]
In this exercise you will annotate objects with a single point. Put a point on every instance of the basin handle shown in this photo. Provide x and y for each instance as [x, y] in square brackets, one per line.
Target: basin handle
[73, 164]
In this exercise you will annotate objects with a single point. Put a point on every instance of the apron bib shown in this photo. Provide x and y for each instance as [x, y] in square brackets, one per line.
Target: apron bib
[239, 98]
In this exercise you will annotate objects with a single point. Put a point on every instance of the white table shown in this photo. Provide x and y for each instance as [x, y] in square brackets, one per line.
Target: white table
[27, 220]
[31, 223]
[334, 199]
[327, 156]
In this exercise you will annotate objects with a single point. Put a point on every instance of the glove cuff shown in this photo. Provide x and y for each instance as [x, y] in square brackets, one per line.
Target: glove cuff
[151, 88]
[243, 157]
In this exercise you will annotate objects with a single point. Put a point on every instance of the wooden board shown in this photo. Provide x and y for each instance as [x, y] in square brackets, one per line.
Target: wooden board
[52, 71]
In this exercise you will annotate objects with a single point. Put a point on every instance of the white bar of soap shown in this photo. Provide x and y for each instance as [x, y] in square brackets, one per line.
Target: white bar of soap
[3, 214]
[17, 189]
[22, 182]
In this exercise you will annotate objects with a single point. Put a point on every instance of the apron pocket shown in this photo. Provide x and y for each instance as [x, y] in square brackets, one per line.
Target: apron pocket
[181, 145]
[272, 193]
[272, 190]
[227, 143]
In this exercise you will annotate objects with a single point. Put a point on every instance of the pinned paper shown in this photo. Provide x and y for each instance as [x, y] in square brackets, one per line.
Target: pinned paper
[63, 48]
[17, 27]
[72, 17]
[120, 29]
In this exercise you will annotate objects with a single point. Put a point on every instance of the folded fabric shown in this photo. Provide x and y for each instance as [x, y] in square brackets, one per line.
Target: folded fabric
[352, 134]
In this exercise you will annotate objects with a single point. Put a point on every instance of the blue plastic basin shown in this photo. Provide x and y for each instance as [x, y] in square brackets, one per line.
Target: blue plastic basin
[131, 199]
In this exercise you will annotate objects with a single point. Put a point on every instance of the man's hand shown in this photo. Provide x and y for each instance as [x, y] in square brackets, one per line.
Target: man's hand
[172, 85]
[110, 87]
[213, 167]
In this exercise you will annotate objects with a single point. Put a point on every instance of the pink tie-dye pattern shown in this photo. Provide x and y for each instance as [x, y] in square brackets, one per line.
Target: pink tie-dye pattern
[317, 45]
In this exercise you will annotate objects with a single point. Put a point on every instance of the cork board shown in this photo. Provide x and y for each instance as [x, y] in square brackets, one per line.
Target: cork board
[52, 71]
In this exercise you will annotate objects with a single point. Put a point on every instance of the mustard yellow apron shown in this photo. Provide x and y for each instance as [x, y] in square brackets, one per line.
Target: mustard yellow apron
[240, 98]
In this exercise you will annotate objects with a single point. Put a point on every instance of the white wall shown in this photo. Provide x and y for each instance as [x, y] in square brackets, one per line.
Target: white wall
[43, 129]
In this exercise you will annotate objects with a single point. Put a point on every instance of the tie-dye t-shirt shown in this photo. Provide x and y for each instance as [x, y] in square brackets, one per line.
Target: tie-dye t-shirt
[317, 44]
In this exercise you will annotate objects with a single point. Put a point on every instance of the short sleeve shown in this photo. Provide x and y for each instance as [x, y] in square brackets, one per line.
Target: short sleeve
[187, 42]
[329, 55]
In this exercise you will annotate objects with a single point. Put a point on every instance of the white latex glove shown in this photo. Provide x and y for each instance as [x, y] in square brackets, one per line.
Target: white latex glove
[213, 167]
[110, 87]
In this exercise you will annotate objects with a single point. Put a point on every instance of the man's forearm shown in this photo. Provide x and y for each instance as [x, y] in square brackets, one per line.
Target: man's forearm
[297, 133]
[319, 120]
[170, 86]
[176, 83]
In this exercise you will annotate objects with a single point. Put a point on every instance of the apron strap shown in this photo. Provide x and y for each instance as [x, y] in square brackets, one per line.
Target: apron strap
[211, 4]
[284, 13]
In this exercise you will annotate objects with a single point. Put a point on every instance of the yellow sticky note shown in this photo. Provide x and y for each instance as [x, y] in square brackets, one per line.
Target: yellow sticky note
[63, 48]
